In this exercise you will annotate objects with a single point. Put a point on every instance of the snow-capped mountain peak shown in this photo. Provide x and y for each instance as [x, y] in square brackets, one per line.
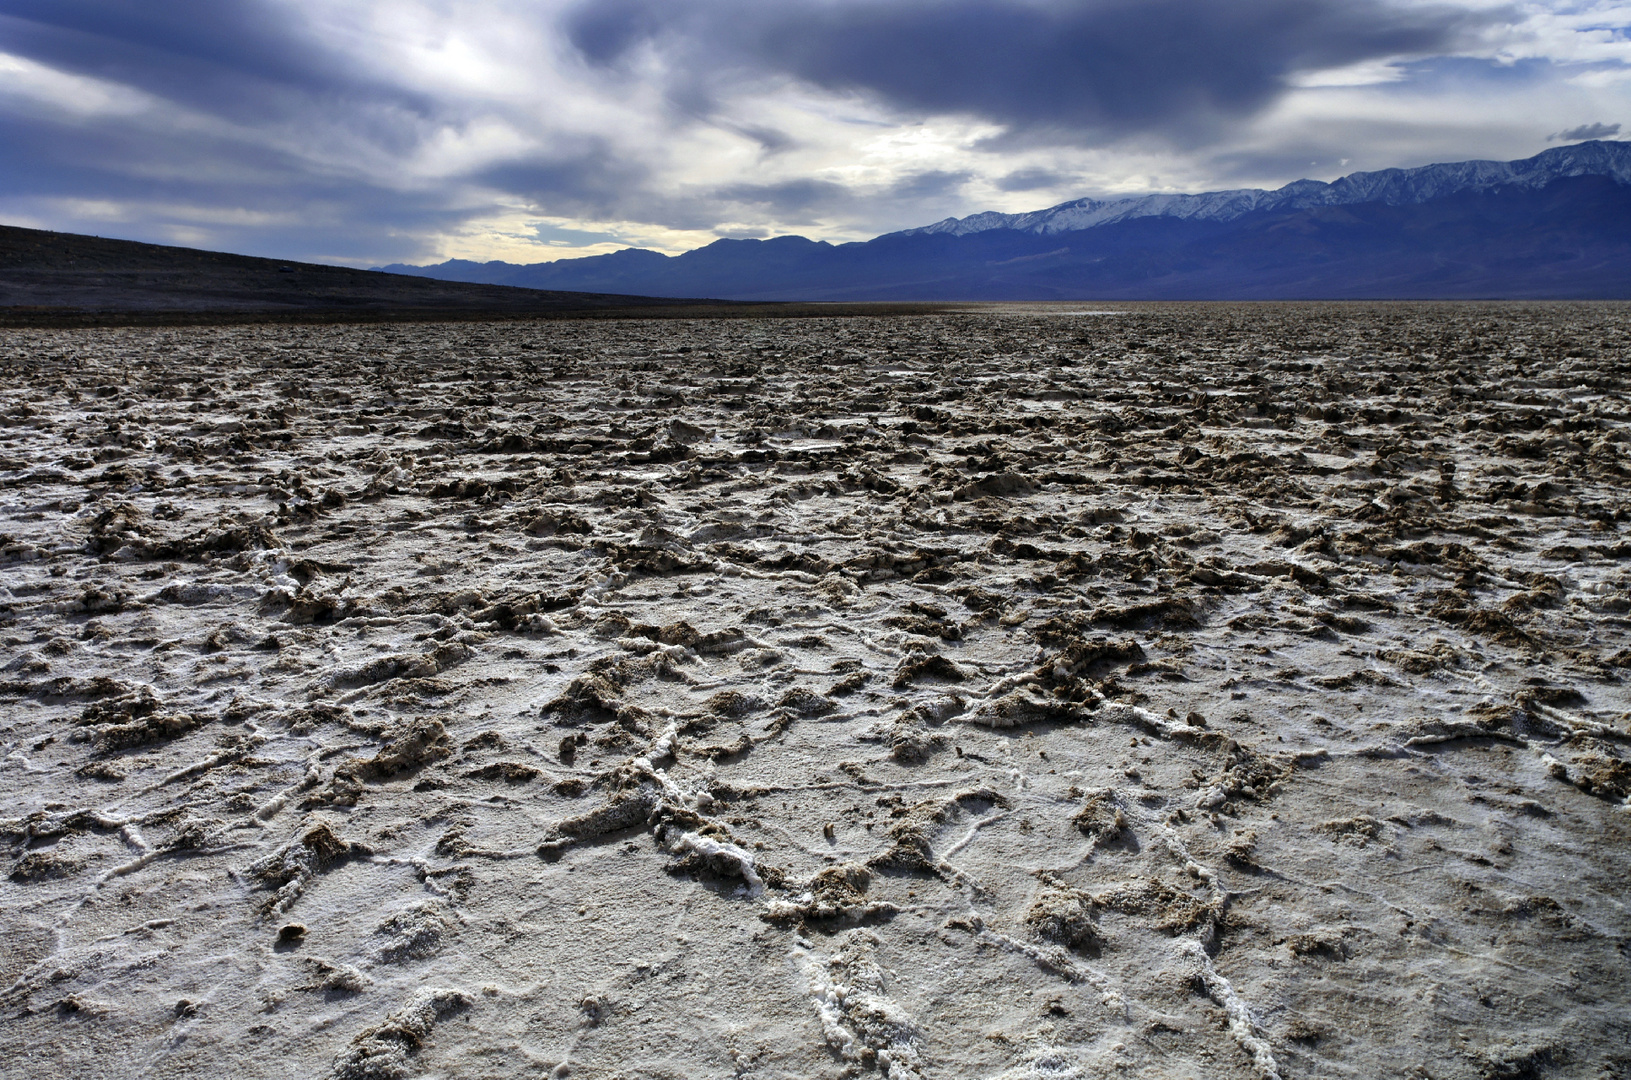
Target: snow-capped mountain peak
[1395, 187]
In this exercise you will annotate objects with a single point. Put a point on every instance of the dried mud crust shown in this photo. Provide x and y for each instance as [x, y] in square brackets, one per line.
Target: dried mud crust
[1223, 691]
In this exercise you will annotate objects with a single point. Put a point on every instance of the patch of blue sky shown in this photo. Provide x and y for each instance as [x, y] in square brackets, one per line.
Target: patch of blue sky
[1458, 72]
[559, 236]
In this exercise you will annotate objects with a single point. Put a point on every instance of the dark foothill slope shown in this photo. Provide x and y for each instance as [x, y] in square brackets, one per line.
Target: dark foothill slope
[49, 277]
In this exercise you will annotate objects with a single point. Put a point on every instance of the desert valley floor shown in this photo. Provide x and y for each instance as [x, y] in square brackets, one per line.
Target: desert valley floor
[1165, 691]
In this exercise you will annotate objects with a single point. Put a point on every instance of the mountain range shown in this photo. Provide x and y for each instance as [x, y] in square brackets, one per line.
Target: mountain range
[1553, 226]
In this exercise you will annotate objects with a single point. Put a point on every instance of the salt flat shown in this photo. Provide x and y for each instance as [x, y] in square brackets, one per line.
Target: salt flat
[1180, 691]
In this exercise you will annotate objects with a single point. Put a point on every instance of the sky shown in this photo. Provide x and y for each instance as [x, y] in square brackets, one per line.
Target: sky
[365, 132]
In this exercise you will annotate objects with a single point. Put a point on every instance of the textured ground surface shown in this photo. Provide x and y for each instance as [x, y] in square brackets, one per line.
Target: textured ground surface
[1185, 692]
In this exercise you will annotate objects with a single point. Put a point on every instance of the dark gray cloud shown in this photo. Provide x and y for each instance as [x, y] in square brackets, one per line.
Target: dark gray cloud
[1584, 132]
[1031, 179]
[807, 201]
[183, 187]
[1077, 70]
[234, 86]
[795, 198]
[931, 184]
[577, 178]
[240, 59]
[771, 140]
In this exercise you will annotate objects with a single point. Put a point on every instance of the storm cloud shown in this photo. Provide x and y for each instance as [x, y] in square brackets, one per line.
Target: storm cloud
[239, 59]
[1079, 69]
[1587, 131]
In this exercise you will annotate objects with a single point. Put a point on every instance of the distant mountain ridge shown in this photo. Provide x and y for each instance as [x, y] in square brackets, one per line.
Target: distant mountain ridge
[1556, 225]
[1391, 187]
